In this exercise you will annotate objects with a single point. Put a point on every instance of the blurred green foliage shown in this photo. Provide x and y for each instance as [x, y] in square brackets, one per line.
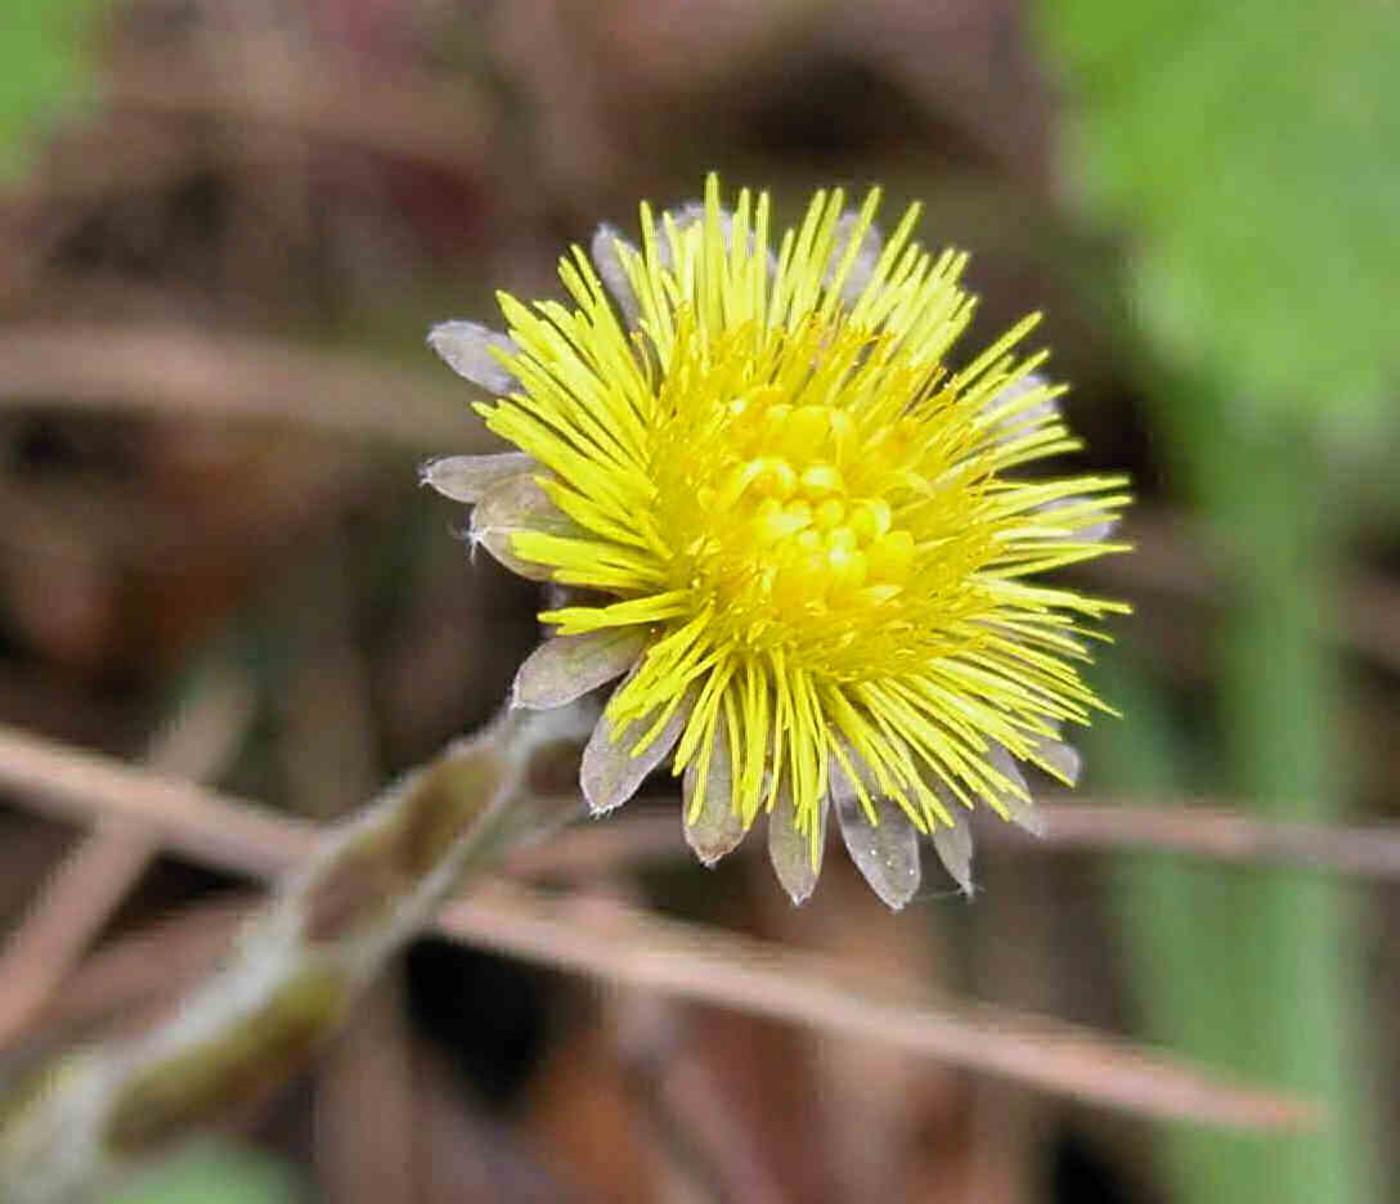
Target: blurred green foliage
[42, 50]
[215, 1174]
[1251, 150]
[1246, 153]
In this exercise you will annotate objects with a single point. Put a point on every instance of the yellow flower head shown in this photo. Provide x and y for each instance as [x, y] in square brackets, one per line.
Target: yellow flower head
[797, 529]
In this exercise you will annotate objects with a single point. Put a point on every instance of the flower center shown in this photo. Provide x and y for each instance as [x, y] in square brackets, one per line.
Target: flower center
[785, 513]
[813, 480]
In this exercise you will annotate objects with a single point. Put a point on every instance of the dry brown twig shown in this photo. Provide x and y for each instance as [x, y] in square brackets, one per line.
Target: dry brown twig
[93, 879]
[1212, 829]
[634, 950]
[443, 124]
[65, 917]
[244, 838]
[114, 990]
[176, 371]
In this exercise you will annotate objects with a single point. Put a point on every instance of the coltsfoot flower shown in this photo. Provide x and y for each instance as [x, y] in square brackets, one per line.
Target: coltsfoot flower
[803, 539]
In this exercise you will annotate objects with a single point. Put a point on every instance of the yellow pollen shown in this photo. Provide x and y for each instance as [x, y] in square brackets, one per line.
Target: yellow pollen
[801, 524]
[821, 479]
[830, 513]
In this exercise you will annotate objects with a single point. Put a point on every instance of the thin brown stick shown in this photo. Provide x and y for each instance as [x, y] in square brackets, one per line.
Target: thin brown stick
[79, 898]
[245, 838]
[583, 854]
[1192, 827]
[636, 950]
[178, 371]
[444, 124]
[1210, 828]
[135, 976]
[209, 828]
[610, 941]
[65, 917]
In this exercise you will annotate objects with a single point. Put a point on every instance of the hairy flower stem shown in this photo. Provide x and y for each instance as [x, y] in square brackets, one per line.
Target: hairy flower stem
[98, 1114]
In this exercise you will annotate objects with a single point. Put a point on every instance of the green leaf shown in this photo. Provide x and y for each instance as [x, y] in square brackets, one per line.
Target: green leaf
[42, 70]
[1248, 152]
[215, 1175]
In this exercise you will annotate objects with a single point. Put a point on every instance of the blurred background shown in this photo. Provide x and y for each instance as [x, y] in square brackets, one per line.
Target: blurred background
[224, 230]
